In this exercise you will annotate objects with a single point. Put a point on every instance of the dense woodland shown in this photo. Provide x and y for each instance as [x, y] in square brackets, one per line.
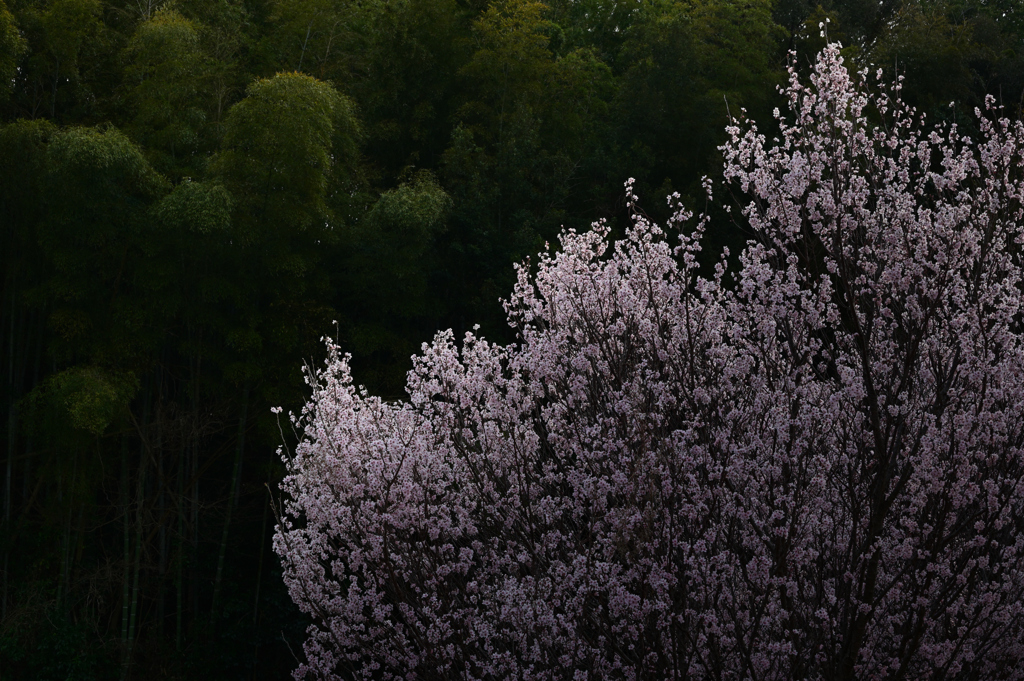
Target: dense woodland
[194, 192]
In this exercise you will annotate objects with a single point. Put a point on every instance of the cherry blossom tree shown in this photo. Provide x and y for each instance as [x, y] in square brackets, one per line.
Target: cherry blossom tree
[810, 466]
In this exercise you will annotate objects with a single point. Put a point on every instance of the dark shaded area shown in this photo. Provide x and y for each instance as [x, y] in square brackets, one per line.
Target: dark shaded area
[193, 193]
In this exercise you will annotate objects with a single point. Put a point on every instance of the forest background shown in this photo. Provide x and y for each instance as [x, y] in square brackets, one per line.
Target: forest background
[194, 192]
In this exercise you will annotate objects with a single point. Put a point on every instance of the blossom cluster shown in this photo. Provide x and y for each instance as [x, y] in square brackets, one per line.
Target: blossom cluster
[809, 466]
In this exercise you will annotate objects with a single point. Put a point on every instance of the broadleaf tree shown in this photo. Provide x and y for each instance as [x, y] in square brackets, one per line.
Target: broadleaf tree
[811, 466]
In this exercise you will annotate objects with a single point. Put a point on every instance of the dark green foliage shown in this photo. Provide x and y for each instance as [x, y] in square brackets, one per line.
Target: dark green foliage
[85, 398]
[386, 278]
[12, 46]
[197, 207]
[284, 146]
[163, 91]
[691, 65]
[193, 193]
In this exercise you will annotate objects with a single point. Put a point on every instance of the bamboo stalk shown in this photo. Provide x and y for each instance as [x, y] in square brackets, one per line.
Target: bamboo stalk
[125, 590]
[162, 540]
[180, 558]
[140, 491]
[11, 442]
[235, 484]
[259, 582]
[65, 586]
[194, 552]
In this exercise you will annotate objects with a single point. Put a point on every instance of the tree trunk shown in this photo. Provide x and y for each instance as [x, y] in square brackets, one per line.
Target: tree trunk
[69, 555]
[194, 474]
[63, 584]
[140, 492]
[259, 582]
[126, 584]
[26, 473]
[12, 420]
[235, 484]
[179, 561]
[194, 544]
[259, 570]
[162, 537]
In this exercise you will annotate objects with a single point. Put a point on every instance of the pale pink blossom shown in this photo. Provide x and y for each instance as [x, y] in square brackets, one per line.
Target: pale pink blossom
[809, 467]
